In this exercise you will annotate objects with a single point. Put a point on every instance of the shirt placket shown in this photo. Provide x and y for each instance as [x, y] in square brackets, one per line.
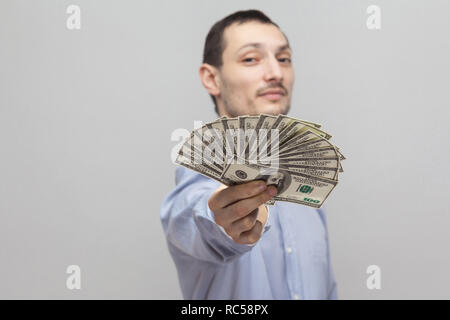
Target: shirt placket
[292, 257]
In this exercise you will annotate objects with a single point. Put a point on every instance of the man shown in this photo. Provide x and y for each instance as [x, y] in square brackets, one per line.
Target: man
[224, 242]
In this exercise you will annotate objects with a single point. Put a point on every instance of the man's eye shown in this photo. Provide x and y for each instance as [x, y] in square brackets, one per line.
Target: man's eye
[249, 59]
[285, 60]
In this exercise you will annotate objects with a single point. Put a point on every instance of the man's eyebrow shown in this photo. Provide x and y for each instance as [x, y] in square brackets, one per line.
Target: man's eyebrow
[259, 46]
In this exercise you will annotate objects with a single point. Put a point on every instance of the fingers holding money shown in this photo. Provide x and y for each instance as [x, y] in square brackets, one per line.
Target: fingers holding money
[244, 207]
[248, 230]
[246, 213]
[244, 224]
[225, 196]
[251, 236]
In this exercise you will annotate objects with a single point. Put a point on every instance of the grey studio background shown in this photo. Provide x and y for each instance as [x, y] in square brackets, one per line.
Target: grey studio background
[86, 118]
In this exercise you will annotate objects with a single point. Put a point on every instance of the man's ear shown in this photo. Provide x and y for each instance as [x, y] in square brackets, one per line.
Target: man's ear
[210, 79]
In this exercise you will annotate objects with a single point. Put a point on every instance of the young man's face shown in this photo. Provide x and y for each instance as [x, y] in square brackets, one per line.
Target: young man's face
[256, 75]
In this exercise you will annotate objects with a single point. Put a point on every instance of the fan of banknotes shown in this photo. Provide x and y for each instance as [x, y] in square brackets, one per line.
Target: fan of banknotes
[294, 155]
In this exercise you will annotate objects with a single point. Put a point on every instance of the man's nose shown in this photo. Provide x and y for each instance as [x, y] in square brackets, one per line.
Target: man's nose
[273, 70]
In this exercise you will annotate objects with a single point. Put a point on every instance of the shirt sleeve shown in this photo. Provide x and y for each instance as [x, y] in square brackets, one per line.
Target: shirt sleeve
[189, 223]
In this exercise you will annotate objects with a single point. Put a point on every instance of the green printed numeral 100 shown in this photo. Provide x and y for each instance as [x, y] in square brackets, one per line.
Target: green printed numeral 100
[311, 200]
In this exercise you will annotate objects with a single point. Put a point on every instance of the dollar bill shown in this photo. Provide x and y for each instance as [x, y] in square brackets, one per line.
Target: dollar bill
[296, 155]
[292, 186]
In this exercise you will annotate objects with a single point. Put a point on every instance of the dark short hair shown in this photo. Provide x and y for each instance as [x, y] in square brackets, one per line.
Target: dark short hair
[214, 44]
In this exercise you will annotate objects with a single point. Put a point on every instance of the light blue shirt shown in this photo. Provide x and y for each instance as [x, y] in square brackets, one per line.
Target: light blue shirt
[290, 261]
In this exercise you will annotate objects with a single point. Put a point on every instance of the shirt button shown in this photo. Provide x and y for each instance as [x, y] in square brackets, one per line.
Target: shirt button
[296, 297]
[288, 249]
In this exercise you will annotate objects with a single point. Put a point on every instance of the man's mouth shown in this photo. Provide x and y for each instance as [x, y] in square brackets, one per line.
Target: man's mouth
[273, 94]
